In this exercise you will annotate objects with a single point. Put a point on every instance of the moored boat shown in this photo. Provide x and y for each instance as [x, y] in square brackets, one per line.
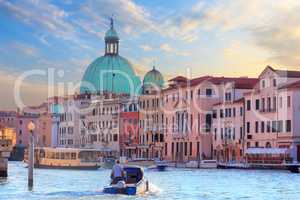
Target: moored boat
[133, 183]
[161, 165]
[67, 158]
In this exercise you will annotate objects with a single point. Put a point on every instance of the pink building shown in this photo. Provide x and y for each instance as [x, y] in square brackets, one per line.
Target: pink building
[272, 111]
[228, 120]
[188, 109]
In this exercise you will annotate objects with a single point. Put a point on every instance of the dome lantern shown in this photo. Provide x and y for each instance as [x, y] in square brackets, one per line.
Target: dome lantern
[111, 40]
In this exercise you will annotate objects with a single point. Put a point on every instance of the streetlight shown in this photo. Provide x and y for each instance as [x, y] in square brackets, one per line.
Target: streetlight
[31, 127]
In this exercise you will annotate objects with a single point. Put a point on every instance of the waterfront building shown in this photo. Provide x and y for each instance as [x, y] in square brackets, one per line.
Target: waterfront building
[8, 133]
[99, 123]
[190, 109]
[23, 119]
[44, 130]
[8, 118]
[67, 120]
[272, 111]
[228, 120]
[151, 117]
[129, 132]
[187, 107]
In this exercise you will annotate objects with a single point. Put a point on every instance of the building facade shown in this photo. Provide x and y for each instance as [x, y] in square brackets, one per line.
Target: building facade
[272, 109]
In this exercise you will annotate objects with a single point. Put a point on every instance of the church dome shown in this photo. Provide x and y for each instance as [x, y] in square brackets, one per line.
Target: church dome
[111, 72]
[153, 79]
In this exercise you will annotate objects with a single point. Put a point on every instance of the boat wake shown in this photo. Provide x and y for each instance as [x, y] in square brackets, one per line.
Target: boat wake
[153, 189]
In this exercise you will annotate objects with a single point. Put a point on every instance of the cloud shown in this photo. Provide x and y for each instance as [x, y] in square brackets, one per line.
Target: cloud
[273, 26]
[146, 47]
[31, 92]
[168, 49]
[43, 39]
[46, 15]
[24, 48]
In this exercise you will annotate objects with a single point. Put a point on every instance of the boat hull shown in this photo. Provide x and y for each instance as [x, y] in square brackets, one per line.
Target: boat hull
[126, 191]
[139, 188]
[161, 168]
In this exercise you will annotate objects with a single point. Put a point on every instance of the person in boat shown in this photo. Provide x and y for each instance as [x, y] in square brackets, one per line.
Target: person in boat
[117, 173]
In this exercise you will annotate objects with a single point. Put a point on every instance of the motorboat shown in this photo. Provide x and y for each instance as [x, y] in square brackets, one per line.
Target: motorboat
[133, 183]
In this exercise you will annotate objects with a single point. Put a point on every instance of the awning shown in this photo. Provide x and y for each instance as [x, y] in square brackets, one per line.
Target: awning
[267, 151]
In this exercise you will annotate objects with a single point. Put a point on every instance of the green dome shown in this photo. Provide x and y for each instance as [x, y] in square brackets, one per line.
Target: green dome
[111, 34]
[153, 78]
[111, 73]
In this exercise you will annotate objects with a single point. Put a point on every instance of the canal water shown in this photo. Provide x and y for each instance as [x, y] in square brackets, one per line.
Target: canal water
[172, 184]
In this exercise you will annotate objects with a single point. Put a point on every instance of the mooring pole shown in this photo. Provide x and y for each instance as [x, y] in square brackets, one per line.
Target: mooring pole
[31, 127]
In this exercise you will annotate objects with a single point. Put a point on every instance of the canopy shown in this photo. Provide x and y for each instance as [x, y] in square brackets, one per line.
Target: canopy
[267, 151]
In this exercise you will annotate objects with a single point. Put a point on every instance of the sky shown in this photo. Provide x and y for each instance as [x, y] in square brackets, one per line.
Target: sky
[190, 38]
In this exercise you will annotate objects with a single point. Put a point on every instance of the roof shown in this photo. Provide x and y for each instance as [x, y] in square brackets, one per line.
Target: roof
[294, 85]
[179, 78]
[267, 151]
[239, 83]
[284, 73]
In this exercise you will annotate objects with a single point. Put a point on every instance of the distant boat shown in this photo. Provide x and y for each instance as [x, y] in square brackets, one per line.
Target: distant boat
[161, 165]
[134, 183]
[66, 158]
[203, 164]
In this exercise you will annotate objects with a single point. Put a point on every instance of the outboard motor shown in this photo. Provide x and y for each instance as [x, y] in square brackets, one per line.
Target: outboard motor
[121, 184]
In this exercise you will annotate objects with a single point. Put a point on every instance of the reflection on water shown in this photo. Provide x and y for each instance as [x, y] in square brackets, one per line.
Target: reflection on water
[172, 184]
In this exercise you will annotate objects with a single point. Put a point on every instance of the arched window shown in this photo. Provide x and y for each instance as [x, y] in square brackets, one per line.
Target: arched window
[268, 145]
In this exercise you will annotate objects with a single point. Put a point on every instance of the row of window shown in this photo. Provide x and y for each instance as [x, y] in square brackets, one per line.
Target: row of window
[227, 133]
[104, 138]
[66, 142]
[6, 119]
[175, 96]
[154, 138]
[64, 130]
[263, 83]
[102, 124]
[270, 126]
[227, 112]
[65, 117]
[105, 111]
[182, 122]
[182, 148]
[269, 103]
[146, 103]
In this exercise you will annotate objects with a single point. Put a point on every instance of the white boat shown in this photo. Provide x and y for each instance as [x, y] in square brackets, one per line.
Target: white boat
[67, 158]
[203, 164]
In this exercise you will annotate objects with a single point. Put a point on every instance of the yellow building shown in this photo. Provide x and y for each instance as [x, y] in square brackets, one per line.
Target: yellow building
[9, 134]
